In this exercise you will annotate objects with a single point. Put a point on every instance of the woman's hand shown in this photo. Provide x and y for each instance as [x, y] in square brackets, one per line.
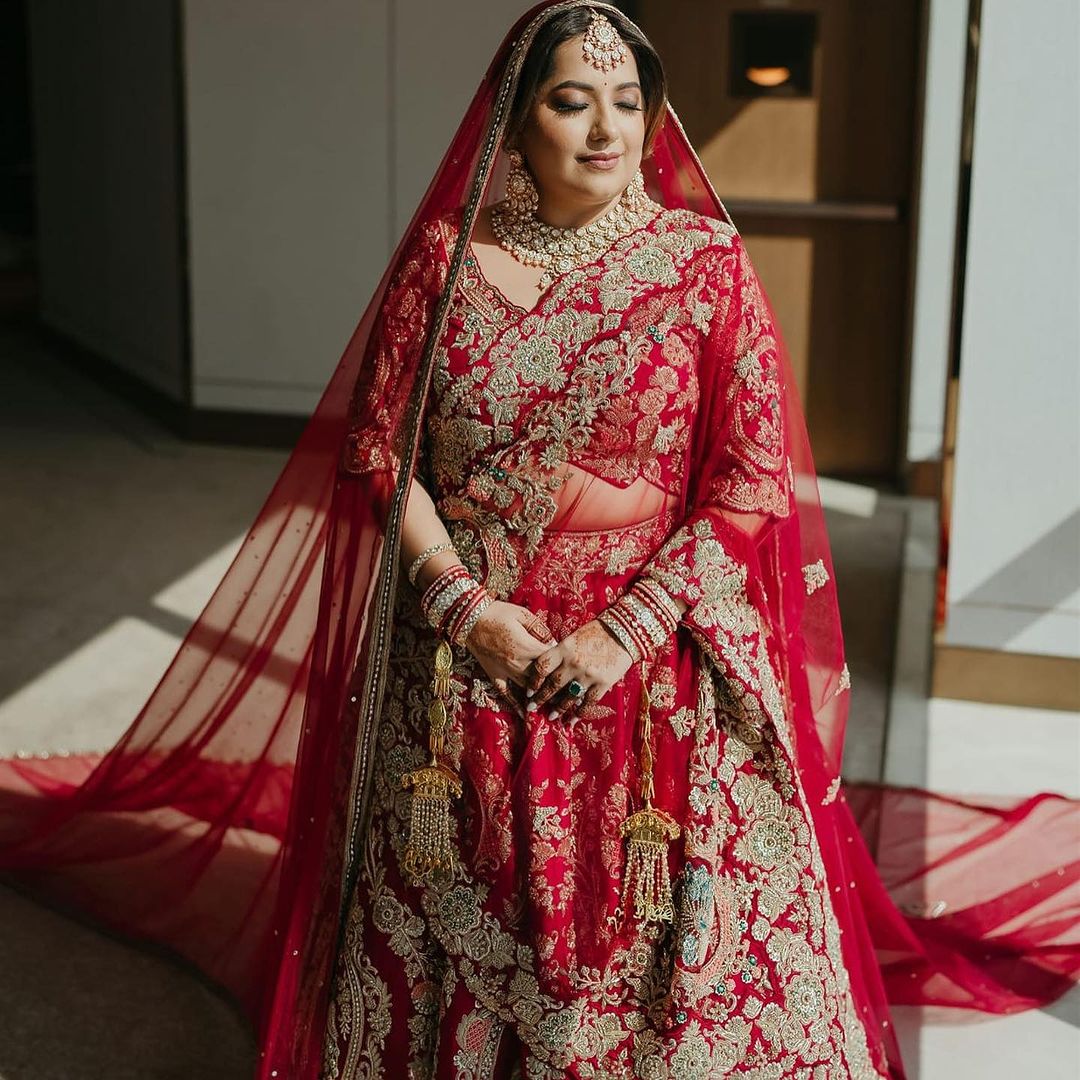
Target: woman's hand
[505, 641]
[591, 655]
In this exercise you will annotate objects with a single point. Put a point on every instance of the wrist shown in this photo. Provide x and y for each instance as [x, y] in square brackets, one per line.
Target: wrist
[642, 619]
[432, 561]
[454, 602]
[615, 631]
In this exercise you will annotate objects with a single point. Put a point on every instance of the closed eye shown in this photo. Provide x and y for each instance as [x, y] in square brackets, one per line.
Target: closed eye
[566, 107]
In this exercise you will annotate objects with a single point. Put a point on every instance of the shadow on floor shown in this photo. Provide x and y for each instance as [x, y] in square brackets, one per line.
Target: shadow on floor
[77, 1005]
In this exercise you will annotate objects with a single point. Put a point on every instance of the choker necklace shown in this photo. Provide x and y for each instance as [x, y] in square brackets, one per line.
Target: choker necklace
[535, 243]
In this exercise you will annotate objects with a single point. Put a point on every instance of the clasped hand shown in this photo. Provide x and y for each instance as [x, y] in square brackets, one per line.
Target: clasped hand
[531, 670]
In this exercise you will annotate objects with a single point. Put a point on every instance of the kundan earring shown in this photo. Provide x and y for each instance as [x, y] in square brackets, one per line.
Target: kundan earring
[522, 198]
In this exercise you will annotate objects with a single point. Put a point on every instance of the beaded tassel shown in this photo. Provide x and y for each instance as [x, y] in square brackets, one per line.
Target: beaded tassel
[648, 832]
[429, 856]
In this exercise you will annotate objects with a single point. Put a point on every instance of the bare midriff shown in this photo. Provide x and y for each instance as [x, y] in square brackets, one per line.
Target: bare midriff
[586, 502]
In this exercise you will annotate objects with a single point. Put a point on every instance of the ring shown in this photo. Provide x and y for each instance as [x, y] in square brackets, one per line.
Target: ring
[574, 688]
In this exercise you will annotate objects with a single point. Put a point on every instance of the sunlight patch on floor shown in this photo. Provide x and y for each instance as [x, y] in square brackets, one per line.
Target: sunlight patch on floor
[847, 498]
[187, 595]
[87, 700]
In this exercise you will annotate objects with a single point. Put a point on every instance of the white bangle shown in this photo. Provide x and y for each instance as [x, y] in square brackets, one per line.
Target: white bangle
[427, 553]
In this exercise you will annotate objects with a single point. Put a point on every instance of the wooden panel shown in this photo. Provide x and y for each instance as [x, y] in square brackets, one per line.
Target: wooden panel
[1003, 678]
[840, 303]
[835, 267]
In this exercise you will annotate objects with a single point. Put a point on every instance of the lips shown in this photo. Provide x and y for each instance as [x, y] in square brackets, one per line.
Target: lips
[600, 161]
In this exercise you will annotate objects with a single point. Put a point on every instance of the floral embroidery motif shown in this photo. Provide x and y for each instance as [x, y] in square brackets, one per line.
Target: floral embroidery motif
[359, 1014]
[844, 682]
[831, 792]
[759, 478]
[478, 1034]
[816, 575]
[393, 345]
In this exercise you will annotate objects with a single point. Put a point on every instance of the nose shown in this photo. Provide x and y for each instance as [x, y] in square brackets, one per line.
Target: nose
[603, 128]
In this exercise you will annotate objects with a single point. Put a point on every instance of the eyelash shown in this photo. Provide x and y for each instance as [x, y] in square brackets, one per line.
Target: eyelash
[562, 108]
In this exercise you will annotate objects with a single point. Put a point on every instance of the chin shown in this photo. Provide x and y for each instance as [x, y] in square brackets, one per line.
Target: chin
[604, 188]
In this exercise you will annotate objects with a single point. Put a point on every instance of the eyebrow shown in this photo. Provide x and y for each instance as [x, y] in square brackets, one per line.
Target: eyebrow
[571, 84]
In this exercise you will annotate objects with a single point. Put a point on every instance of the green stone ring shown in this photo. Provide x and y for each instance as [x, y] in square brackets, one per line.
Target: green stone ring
[574, 688]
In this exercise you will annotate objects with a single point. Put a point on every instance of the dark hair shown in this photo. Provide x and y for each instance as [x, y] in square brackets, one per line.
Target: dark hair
[540, 61]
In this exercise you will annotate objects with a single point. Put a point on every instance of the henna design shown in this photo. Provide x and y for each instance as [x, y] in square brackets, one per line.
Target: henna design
[590, 655]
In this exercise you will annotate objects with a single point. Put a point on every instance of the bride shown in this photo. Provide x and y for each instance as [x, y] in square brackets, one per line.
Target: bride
[608, 865]
[509, 744]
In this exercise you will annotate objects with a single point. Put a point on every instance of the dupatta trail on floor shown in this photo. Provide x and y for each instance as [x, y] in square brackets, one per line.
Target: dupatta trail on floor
[231, 821]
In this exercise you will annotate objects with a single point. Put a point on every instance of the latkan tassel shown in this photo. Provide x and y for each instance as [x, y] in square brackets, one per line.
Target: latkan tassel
[428, 858]
[648, 832]
[646, 879]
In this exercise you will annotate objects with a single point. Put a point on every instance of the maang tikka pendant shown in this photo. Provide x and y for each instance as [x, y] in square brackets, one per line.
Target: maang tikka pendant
[602, 47]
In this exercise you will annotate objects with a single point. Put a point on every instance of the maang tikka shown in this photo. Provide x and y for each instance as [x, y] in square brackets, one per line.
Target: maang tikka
[602, 47]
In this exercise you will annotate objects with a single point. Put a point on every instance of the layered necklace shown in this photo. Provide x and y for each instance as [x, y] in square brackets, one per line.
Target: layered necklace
[533, 242]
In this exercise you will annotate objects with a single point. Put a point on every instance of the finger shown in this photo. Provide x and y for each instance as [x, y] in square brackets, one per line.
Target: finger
[566, 708]
[576, 705]
[565, 703]
[542, 666]
[507, 695]
[554, 682]
[536, 626]
[592, 695]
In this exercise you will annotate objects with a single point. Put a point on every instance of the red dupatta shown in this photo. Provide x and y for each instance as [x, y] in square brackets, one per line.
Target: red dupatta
[235, 799]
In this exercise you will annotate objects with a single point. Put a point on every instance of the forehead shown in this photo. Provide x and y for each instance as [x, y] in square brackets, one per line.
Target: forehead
[568, 62]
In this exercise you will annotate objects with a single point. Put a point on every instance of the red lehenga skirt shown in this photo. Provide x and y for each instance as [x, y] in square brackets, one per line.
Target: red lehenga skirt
[528, 961]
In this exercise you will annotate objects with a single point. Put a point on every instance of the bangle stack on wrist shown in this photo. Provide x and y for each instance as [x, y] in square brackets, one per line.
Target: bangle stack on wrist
[642, 619]
[454, 602]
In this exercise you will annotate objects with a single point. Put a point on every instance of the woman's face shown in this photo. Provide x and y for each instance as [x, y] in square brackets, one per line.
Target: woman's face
[584, 135]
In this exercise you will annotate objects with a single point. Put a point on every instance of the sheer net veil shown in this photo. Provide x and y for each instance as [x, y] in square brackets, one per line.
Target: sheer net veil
[224, 823]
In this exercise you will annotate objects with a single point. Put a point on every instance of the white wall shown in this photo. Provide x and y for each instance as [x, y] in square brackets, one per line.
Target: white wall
[938, 185]
[313, 129]
[107, 182]
[1014, 559]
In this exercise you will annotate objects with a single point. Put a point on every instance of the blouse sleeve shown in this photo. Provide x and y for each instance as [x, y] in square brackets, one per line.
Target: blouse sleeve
[742, 462]
[709, 562]
[750, 472]
[373, 436]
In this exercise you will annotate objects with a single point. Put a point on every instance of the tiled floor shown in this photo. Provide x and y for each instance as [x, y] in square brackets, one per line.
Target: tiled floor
[101, 584]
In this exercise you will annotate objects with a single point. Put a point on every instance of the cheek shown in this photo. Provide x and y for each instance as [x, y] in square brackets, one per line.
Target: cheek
[557, 138]
[633, 134]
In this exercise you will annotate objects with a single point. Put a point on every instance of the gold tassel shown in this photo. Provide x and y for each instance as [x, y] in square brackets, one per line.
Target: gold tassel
[648, 832]
[429, 855]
